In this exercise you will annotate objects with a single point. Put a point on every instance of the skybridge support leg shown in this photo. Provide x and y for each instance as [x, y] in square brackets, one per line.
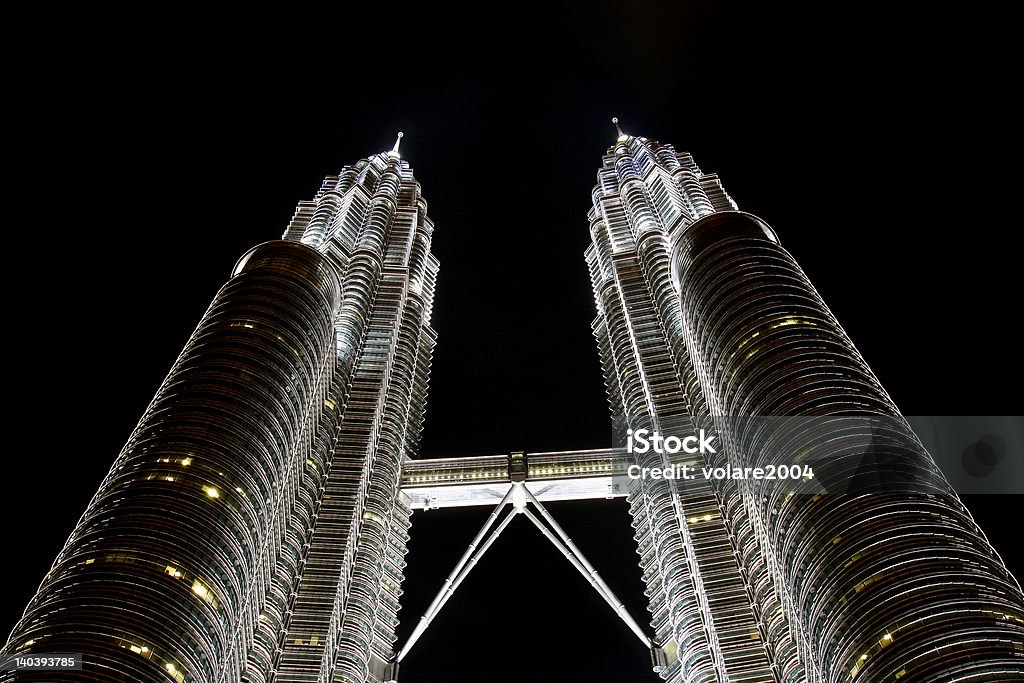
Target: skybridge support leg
[586, 568]
[462, 568]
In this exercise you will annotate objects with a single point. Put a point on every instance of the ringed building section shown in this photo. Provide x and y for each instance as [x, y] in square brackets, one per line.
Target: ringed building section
[165, 574]
[883, 573]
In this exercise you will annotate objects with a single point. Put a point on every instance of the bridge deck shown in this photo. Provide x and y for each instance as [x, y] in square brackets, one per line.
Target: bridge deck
[484, 480]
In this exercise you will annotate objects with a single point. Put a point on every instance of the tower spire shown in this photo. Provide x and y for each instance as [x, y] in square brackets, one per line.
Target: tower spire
[622, 136]
[398, 141]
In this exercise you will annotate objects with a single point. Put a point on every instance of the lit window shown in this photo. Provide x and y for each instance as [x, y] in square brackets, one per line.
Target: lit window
[173, 670]
[201, 589]
[141, 650]
[128, 558]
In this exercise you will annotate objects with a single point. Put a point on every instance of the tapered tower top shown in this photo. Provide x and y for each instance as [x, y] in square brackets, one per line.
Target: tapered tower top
[622, 136]
[398, 141]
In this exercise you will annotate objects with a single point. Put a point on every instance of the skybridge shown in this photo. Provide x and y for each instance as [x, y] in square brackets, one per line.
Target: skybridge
[518, 480]
[484, 480]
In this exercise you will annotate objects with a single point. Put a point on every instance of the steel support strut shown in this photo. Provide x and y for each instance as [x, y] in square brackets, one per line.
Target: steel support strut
[472, 556]
[592, 578]
[520, 496]
[595, 579]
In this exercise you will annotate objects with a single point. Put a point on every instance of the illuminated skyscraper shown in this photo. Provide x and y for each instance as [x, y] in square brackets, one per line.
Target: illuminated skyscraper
[251, 529]
[705, 320]
[254, 527]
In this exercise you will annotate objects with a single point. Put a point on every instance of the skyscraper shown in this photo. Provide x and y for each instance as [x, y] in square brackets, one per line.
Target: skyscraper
[251, 528]
[254, 527]
[704, 320]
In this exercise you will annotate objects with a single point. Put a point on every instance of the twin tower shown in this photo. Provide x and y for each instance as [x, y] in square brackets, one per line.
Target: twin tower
[254, 527]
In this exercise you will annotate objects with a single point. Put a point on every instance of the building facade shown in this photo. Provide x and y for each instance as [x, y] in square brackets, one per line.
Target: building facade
[704, 320]
[254, 527]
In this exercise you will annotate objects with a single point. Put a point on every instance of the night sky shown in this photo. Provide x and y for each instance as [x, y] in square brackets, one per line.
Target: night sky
[147, 161]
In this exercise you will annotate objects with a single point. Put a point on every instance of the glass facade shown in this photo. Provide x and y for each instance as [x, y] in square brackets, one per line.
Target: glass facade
[889, 578]
[702, 612]
[253, 529]
[165, 574]
[339, 620]
[704, 321]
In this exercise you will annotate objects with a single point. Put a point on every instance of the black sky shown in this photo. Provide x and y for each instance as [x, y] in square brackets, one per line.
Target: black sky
[148, 158]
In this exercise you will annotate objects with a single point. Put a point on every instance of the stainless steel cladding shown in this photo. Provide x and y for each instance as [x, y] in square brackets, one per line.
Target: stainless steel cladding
[871, 571]
[166, 572]
[253, 529]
